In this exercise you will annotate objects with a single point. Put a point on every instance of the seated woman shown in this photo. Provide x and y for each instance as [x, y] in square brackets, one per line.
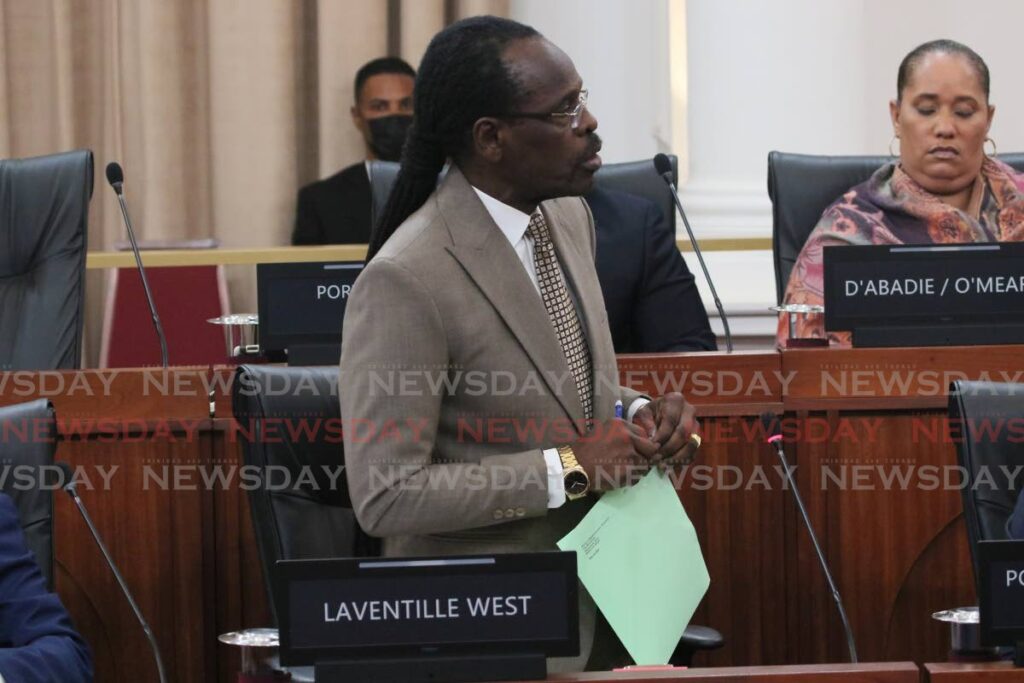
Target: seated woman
[943, 189]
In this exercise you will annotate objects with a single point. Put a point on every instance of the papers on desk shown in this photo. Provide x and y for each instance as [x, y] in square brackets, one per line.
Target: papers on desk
[639, 558]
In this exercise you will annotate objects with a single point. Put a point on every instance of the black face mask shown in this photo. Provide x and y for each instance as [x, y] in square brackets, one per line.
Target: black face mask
[387, 135]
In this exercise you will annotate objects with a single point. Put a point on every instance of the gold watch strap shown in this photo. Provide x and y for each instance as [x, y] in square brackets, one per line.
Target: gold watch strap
[568, 457]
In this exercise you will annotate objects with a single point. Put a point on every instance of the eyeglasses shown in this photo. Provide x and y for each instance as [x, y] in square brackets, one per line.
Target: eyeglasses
[574, 115]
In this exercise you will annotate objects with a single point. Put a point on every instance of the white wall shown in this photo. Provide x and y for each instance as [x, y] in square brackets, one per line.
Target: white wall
[990, 27]
[620, 50]
[812, 76]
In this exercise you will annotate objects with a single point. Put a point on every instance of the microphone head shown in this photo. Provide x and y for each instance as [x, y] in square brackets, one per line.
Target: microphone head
[115, 176]
[68, 476]
[662, 164]
[772, 428]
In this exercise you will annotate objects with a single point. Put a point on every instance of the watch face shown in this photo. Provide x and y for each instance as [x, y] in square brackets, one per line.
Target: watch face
[576, 483]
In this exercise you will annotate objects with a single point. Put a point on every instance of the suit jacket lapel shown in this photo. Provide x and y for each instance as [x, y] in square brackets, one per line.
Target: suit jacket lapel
[490, 261]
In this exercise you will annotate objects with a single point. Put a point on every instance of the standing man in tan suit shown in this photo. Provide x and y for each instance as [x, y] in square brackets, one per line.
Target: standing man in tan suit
[478, 379]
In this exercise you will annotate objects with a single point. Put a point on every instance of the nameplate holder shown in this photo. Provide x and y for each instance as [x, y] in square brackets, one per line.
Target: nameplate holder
[926, 295]
[472, 618]
[302, 308]
[1001, 595]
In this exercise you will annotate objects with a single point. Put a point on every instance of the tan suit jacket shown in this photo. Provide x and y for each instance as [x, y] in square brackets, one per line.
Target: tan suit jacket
[453, 381]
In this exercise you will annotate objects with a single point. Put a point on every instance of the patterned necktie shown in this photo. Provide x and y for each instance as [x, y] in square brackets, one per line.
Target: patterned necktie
[562, 311]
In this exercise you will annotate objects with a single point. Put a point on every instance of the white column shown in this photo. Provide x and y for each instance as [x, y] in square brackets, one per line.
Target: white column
[763, 75]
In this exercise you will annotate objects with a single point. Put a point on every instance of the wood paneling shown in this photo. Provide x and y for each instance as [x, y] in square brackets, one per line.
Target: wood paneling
[990, 672]
[894, 672]
[898, 551]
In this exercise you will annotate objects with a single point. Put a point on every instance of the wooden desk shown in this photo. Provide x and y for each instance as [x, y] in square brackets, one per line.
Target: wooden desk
[164, 541]
[988, 672]
[889, 672]
[898, 555]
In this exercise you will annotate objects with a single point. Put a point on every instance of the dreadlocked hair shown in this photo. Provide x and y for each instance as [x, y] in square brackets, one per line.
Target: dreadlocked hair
[461, 78]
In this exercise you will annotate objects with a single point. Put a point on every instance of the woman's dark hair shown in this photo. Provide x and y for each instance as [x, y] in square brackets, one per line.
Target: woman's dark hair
[461, 78]
[913, 59]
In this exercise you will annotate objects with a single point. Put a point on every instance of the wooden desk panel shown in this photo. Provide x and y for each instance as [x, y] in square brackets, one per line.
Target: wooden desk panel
[128, 426]
[94, 402]
[898, 553]
[987, 672]
[892, 672]
[742, 383]
[899, 379]
[161, 541]
[190, 557]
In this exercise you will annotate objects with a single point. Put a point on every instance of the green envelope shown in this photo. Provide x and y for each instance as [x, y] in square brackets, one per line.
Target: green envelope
[639, 558]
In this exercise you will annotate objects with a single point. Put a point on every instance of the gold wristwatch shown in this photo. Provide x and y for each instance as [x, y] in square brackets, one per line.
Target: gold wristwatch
[574, 477]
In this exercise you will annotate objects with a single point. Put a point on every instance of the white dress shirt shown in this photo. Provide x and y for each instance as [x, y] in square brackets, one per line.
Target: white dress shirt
[513, 223]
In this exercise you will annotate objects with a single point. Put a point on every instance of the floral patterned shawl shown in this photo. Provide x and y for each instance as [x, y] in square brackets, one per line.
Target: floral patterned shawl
[890, 208]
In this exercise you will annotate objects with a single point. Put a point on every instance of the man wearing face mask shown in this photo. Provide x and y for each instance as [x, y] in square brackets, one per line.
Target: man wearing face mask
[337, 210]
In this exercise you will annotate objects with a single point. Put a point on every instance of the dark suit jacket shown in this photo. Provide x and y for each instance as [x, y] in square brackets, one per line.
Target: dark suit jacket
[652, 300]
[336, 210]
[38, 644]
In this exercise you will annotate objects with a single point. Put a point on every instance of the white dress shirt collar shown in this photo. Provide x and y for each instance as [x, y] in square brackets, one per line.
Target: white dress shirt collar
[510, 220]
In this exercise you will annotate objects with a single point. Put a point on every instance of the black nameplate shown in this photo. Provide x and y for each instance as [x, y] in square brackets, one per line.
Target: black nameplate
[1001, 592]
[926, 294]
[303, 304]
[385, 608]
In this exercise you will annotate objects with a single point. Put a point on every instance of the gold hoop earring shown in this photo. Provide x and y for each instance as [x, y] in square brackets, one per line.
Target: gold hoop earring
[995, 150]
[894, 139]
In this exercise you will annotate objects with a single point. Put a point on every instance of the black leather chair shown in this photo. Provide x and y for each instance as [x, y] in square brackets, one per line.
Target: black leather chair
[640, 178]
[635, 177]
[307, 521]
[972, 405]
[317, 521]
[801, 187]
[28, 439]
[44, 209]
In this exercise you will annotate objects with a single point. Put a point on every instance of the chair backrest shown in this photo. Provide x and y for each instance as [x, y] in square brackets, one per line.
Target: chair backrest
[802, 186]
[290, 422]
[979, 413]
[635, 177]
[44, 210]
[382, 178]
[641, 178]
[28, 441]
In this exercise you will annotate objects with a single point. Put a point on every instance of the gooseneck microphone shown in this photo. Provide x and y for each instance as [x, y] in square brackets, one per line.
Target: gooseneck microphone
[773, 436]
[664, 168]
[69, 488]
[115, 176]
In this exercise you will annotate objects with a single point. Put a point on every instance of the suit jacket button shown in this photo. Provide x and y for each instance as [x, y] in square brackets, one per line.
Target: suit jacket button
[498, 514]
[510, 513]
[520, 512]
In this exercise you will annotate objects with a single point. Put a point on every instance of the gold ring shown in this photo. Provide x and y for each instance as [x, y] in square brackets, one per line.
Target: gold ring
[695, 440]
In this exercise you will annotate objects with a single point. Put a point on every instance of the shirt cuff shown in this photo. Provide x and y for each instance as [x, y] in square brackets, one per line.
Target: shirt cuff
[636, 405]
[556, 485]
